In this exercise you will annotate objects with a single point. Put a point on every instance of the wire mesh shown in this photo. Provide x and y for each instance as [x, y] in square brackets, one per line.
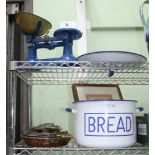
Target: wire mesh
[81, 72]
[73, 149]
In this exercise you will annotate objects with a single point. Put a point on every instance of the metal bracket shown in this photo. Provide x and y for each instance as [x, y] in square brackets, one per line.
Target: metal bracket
[12, 65]
[12, 8]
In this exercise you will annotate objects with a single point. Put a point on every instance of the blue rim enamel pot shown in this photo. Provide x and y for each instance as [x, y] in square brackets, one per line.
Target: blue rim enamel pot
[105, 123]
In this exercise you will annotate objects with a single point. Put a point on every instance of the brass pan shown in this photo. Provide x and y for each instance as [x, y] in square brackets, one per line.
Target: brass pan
[28, 23]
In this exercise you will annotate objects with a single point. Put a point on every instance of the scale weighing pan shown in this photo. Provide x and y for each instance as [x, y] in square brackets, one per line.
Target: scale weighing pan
[120, 57]
[28, 23]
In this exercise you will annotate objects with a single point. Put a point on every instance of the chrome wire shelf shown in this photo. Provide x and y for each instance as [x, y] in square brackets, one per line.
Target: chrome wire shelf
[68, 72]
[73, 149]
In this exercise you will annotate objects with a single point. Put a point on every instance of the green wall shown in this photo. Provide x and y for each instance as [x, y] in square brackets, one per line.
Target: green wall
[49, 102]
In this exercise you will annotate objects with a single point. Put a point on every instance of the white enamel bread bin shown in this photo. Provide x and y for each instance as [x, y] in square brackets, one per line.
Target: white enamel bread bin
[106, 124]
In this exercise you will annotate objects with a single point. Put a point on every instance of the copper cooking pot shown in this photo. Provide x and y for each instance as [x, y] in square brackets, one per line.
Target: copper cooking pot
[46, 139]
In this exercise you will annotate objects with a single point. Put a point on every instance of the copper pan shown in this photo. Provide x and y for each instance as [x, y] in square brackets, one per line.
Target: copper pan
[46, 140]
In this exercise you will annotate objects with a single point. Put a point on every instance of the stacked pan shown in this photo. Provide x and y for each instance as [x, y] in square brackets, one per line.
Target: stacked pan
[46, 135]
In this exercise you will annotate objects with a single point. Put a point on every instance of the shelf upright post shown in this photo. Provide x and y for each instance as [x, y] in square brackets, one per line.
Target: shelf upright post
[30, 105]
[12, 111]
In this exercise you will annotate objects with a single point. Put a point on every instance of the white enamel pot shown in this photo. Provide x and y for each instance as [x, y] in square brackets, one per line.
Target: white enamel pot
[106, 124]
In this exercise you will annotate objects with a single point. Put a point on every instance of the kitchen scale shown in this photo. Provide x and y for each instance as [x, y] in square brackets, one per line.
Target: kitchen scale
[36, 29]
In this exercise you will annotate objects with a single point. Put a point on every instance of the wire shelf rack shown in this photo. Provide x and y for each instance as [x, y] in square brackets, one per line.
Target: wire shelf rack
[73, 149]
[68, 72]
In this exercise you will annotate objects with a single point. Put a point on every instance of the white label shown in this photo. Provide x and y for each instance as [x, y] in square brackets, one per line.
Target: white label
[142, 130]
[108, 124]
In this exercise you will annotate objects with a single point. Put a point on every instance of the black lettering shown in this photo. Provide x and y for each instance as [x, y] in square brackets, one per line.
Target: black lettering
[128, 124]
[109, 125]
[120, 125]
[100, 123]
[91, 123]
